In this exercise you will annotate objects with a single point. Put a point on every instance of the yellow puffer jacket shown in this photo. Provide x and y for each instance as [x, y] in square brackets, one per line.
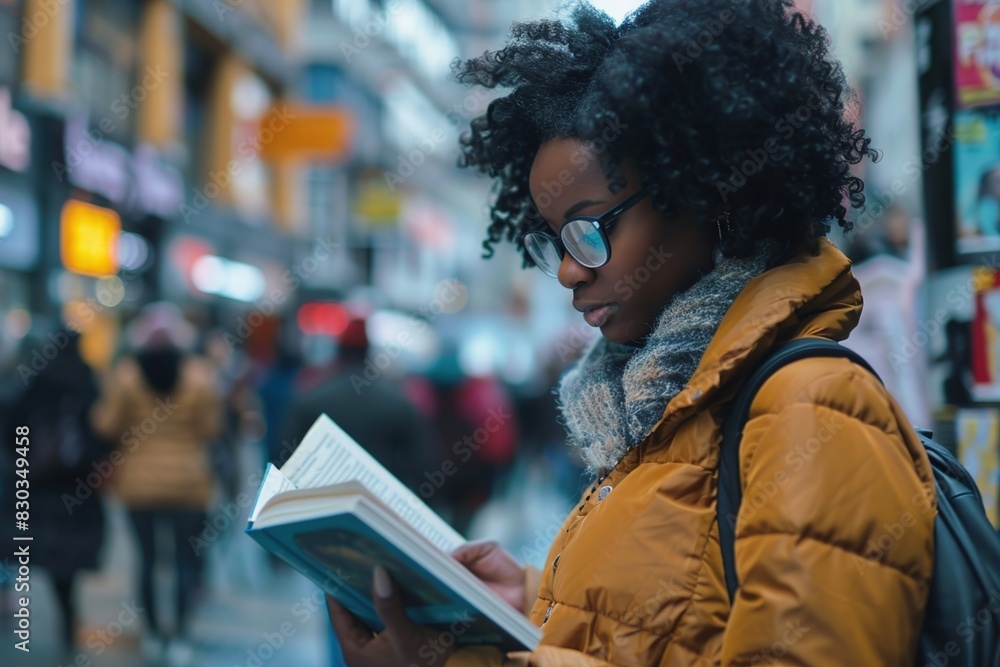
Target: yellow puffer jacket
[161, 457]
[834, 539]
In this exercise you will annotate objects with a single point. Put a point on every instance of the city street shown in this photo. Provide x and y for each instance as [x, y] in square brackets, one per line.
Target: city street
[249, 616]
[660, 298]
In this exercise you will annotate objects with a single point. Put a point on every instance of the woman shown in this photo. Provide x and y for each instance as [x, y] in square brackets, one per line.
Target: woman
[161, 407]
[705, 145]
[63, 451]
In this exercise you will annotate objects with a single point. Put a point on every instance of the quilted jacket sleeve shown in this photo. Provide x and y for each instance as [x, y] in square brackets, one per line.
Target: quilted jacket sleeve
[543, 656]
[834, 537]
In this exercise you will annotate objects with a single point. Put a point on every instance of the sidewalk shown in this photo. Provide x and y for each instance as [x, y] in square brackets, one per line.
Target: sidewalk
[249, 617]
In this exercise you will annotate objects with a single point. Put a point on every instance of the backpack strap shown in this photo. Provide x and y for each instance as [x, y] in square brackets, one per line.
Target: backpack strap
[730, 486]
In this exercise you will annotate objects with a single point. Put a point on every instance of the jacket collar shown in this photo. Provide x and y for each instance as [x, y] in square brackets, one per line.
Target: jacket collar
[809, 295]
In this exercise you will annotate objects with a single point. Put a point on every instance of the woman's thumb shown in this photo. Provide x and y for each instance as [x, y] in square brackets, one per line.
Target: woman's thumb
[388, 604]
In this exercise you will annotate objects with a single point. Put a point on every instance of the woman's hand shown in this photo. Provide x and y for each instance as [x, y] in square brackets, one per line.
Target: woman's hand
[496, 568]
[401, 643]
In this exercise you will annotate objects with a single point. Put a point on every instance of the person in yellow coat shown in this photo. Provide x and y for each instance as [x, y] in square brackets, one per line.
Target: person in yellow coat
[161, 408]
[677, 174]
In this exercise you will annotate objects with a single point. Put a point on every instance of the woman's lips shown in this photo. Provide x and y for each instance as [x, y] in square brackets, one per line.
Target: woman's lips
[598, 316]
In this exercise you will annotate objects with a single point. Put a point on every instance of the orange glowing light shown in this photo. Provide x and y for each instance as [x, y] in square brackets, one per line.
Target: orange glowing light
[89, 239]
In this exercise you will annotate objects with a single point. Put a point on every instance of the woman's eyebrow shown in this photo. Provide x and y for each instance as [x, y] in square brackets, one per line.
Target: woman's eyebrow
[577, 206]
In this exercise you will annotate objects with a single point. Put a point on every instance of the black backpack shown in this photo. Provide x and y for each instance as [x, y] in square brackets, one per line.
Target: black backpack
[962, 621]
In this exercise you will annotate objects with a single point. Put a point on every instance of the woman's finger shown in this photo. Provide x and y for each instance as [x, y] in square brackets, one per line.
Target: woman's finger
[389, 605]
[470, 552]
[351, 632]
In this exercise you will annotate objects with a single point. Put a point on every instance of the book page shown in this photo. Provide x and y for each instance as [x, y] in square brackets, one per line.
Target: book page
[327, 456]
[273, 483]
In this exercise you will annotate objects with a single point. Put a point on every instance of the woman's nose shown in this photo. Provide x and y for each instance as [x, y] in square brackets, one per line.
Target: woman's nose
[573, 274]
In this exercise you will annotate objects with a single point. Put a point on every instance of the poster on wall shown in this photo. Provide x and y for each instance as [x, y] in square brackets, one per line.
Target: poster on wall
[977, 180]
[977, 52]
[978, 435]
[984, 336]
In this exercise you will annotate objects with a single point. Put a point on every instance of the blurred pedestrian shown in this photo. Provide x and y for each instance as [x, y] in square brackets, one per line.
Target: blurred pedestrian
[67, 527]
[276, 389]
[160, 404]
[371, 408]
[477, 433]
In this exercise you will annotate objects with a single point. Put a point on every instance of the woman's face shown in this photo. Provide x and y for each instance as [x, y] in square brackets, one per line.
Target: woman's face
[652, 259]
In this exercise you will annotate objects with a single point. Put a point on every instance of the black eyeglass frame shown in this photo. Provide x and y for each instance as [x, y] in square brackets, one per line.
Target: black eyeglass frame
[603, 223]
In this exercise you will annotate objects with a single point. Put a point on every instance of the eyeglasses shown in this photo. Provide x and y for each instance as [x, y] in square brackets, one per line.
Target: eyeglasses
[585, 237]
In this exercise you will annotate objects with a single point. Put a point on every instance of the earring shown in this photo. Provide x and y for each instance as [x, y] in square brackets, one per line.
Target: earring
[718, 223]
[717, 254]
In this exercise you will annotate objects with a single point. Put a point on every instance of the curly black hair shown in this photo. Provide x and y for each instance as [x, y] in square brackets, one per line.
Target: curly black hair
[722, 105]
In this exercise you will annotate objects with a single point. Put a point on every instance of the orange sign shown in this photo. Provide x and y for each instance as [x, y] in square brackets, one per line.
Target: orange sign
[89, 238]
[292, 132]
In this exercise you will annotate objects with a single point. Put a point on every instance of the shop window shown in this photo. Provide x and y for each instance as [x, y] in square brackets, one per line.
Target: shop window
[322, 83]
[199, 66]
[9, 26]
[321, 7]
[104, 72]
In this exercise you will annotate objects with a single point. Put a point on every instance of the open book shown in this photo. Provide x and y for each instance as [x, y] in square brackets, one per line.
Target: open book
[333, 512]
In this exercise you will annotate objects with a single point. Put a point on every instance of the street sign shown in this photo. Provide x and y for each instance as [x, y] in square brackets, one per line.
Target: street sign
[297, 132]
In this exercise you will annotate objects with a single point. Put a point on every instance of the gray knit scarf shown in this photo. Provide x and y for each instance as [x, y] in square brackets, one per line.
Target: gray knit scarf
[616, 393]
